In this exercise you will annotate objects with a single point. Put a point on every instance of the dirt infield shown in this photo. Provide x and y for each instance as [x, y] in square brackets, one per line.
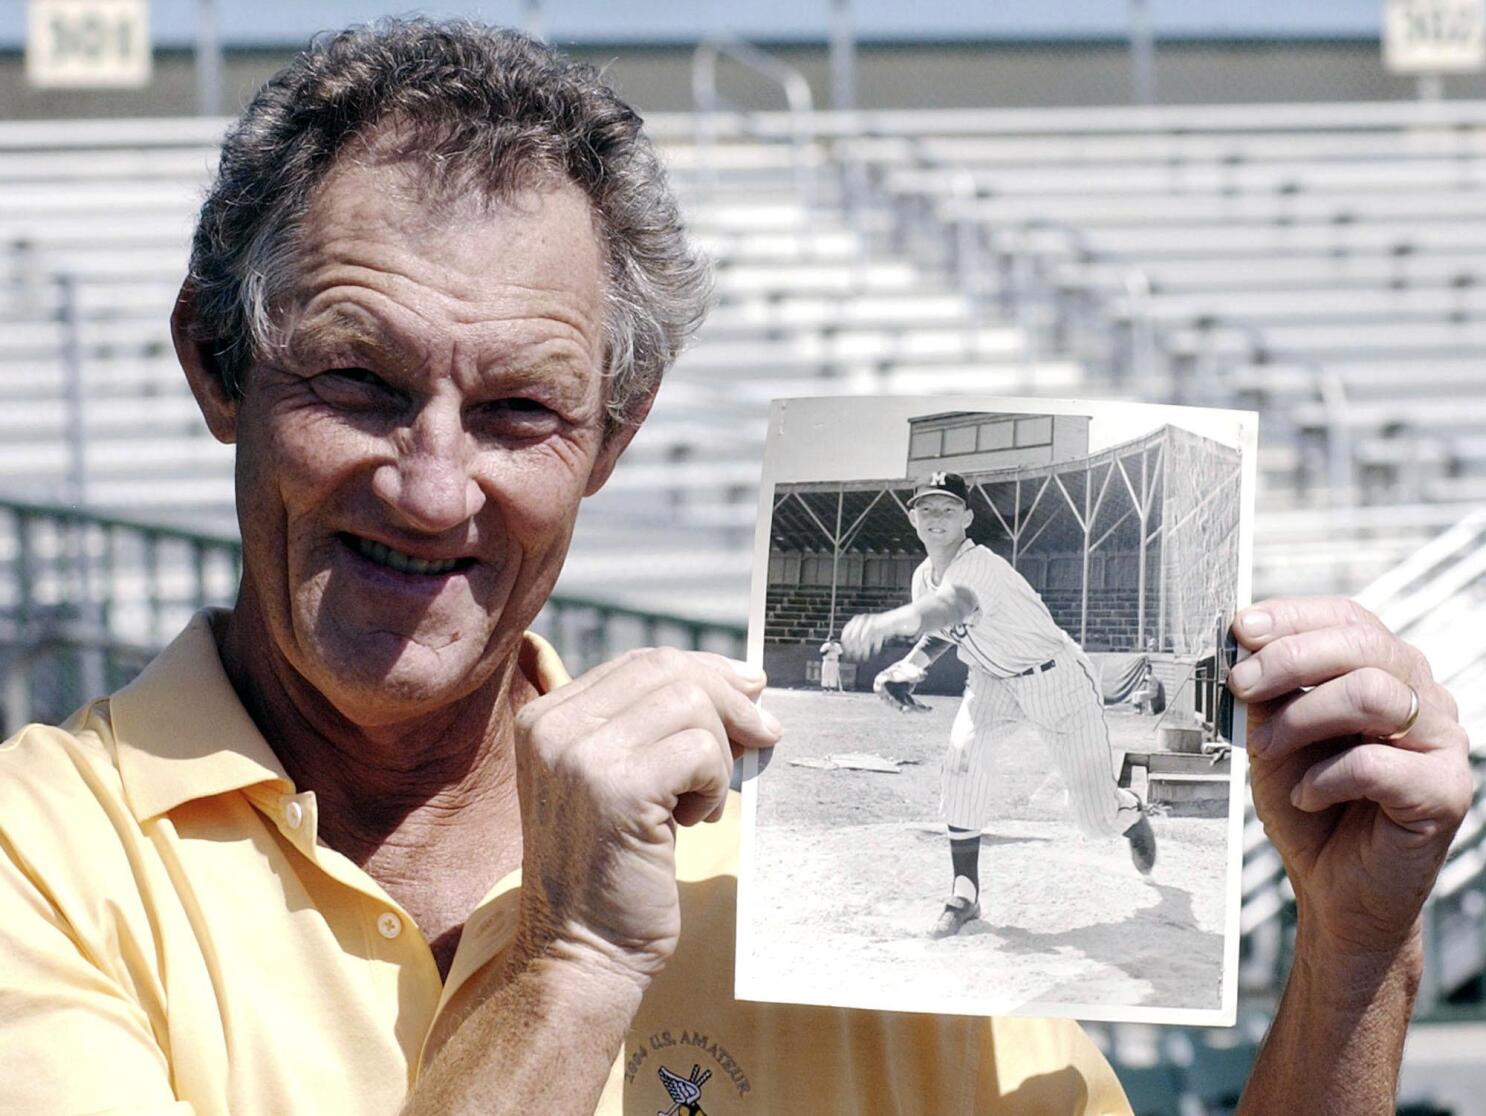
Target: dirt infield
[852, 869]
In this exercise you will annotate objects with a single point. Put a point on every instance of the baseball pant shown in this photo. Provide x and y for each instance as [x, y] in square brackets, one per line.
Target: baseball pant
[1064, 704]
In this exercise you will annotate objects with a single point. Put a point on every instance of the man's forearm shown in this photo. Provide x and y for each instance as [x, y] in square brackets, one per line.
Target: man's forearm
[540, 1039]
[927, 651]
[934, 612]
[1338, 1036]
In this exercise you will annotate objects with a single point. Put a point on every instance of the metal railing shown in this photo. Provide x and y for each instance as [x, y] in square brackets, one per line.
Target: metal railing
[709, 102]
[86, 599]
[1016, 266]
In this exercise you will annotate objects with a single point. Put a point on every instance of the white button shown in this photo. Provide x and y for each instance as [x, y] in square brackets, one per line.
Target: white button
[389, 925]
[293, 814]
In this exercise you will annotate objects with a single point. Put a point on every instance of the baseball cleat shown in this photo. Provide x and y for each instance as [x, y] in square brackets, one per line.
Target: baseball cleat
[957, 912]
[1142, 840]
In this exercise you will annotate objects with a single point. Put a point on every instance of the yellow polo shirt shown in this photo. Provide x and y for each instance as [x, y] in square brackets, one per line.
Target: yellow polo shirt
[173, 939]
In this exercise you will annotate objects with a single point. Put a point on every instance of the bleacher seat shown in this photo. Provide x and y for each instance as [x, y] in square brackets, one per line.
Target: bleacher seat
[1310, 260]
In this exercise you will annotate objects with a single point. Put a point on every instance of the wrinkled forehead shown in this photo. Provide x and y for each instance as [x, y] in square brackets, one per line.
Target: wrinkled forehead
[391, 170]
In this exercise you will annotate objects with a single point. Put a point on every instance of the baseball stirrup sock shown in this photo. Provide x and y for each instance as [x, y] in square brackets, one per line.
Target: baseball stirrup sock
[964, 854]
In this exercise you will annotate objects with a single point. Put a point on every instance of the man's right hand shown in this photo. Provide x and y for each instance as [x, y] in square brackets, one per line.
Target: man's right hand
[864, 635]
[608, 766]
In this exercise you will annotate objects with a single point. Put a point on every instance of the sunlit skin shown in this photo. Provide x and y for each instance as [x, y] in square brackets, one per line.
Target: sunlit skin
[439, 393]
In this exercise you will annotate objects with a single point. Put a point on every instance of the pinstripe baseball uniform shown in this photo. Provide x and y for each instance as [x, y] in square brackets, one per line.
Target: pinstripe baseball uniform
[1023, 667]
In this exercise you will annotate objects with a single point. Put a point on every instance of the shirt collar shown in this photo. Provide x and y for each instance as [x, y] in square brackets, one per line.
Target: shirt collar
[182, 733]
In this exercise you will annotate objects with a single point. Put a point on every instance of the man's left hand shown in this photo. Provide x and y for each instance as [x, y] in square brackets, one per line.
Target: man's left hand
[1362, 822]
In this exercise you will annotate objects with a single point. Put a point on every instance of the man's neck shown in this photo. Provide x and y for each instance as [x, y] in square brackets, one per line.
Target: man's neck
[941, 556]
[394, 797]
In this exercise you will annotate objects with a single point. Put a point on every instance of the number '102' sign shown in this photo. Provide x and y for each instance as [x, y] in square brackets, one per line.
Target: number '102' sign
[88, 43]
[1434, 36]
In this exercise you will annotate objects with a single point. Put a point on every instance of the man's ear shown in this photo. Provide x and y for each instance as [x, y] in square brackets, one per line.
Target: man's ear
[218, 405]
[969, 519]
[615, 442]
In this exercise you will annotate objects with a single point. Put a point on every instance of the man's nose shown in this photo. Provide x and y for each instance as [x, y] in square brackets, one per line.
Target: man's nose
[431, 483]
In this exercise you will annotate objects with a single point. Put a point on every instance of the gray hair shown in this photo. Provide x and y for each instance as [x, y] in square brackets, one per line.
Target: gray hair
[491, 108]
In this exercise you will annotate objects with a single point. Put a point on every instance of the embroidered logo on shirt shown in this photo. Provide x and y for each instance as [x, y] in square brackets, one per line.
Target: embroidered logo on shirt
[685, 1092]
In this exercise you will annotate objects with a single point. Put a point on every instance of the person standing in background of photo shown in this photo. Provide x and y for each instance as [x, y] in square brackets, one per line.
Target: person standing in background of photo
[830, 665]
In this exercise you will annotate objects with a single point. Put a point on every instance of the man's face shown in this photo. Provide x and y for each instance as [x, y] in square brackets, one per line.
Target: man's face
[410, 465]
[940, 521]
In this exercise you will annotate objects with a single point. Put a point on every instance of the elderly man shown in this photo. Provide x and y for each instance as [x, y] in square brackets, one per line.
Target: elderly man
[358, 845]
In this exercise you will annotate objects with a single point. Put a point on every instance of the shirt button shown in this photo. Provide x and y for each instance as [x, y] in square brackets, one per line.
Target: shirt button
[389, 925]
[293, 814]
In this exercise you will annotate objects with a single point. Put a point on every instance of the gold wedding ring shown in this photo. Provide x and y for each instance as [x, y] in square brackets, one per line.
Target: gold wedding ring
[1408, 722]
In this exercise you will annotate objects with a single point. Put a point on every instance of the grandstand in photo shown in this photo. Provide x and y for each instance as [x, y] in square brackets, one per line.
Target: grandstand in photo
[1110, 199]
[1133, 549]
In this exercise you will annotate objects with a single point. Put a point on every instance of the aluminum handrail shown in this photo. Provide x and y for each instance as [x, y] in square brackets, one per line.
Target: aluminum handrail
[1465, 536]
[1341, 465]
[709, 102]
[1464, 116]
[1137, 286]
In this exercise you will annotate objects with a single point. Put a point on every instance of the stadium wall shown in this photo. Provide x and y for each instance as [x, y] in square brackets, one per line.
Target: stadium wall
[959, 74]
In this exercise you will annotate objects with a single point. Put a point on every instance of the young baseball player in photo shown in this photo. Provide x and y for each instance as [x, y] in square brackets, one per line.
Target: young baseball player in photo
[1023, 668]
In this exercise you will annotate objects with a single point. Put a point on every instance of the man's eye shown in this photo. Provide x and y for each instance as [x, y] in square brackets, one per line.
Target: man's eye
[520, 414]
[528, 406]
[352, 387]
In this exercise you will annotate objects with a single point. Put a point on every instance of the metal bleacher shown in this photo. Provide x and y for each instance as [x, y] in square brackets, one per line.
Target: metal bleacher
[1325, 265]
[875, 286]
[1343, 247]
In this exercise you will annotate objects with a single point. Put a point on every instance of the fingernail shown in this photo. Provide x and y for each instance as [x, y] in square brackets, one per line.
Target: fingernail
[1255, 622]
[746, 670]
[1245, 675]
[1297, 794]
[770, 722]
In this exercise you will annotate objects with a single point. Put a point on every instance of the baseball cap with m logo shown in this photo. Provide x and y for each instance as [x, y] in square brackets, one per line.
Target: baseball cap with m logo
[942, 484]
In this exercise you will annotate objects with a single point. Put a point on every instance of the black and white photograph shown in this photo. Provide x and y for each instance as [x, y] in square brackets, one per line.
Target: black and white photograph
[995, 633]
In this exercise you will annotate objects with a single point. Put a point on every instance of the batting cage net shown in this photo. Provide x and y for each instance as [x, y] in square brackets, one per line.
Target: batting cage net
[1199, 540]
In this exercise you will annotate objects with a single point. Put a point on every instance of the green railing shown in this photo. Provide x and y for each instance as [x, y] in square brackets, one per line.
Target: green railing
[86, 599]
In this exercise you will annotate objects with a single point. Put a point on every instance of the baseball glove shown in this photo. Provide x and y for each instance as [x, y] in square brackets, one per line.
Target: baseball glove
[895, 687]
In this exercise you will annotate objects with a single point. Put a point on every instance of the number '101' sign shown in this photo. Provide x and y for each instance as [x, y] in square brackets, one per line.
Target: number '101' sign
[88, 43]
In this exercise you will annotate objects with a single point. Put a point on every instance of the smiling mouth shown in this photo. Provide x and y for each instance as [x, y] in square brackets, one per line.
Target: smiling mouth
[384, 555]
